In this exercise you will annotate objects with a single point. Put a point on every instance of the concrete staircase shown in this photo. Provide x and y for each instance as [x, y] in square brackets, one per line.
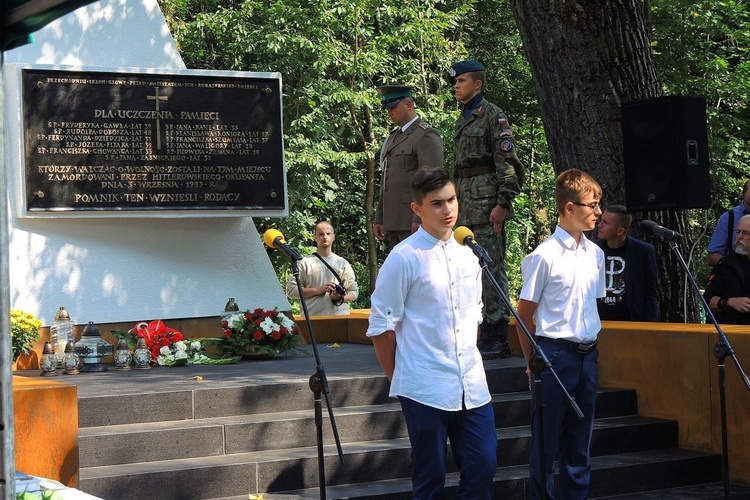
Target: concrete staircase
[248, 428]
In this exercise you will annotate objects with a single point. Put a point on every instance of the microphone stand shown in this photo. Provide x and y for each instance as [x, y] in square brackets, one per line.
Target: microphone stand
[537, 364]
[319, 386]
[721, 350]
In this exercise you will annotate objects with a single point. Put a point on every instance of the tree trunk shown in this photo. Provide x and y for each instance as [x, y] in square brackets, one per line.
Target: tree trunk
[372, 243]
[586, 58]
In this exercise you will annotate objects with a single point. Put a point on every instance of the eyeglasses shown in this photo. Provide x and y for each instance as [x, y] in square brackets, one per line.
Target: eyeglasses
[593, 206]
[744, 232]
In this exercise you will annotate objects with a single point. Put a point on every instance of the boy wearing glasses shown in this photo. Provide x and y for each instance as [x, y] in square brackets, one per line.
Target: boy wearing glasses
[562, 278]
[728, 286]
[413, 144]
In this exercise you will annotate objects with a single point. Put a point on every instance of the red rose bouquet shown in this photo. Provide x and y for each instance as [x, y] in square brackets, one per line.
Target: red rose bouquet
[260, 331]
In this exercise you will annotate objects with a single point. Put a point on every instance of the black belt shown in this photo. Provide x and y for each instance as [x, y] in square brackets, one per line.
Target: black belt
[474, 171]
[579, 347]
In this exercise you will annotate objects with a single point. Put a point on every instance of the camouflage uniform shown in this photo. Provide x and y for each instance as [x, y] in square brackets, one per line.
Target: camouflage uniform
[487, 173]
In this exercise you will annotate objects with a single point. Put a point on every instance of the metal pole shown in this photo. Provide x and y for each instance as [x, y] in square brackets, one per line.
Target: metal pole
[7, 432]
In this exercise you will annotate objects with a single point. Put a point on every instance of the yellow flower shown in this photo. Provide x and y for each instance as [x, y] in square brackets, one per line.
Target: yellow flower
[24, 331]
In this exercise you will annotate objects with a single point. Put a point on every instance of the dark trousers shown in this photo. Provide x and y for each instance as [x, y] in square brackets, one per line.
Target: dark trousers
[566, 437]
[473, 443]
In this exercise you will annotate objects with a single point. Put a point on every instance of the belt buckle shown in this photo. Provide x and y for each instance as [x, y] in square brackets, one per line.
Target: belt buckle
[586, 348]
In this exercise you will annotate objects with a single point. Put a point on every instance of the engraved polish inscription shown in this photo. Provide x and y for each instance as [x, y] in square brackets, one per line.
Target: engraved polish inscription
[114, 141]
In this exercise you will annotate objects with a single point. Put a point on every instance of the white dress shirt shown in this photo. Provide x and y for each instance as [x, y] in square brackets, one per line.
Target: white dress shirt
[429, 292]
[565, 279]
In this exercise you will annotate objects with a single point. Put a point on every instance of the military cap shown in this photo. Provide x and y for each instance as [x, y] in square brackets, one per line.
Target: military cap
[461, 67]
[390, 95]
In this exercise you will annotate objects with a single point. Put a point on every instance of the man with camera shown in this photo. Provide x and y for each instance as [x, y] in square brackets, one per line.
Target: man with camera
[328, 281]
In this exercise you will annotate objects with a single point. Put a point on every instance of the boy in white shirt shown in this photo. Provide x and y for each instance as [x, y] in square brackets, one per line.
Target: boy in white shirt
[562, 278]
[426, 310]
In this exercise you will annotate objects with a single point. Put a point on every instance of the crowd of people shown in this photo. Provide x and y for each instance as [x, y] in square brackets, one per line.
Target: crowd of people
[435, 315]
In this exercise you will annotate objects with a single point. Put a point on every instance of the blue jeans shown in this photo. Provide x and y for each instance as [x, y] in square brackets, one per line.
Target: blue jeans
[473, 443]
[567, 438]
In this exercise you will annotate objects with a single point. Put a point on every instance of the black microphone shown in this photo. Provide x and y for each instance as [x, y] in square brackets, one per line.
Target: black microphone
[464, 236]
[651, 227]
[273, 238]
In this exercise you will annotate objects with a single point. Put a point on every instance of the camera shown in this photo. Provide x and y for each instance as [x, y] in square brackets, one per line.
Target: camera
[340, 290]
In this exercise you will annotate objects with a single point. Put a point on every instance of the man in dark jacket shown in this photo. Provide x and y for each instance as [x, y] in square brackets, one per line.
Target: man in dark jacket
[632, 279]
[728, 286]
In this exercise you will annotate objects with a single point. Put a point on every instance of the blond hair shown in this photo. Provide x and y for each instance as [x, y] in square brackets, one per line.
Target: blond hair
[572, 185]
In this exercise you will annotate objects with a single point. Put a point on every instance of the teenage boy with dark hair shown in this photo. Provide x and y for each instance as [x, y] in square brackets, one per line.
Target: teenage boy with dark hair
[426, 310]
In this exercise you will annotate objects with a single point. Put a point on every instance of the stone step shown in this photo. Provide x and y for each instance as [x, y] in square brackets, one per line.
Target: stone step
[710, 491]
[624, 474]
[208, 432]
[142, 400]
[276, 470]
[166, 440]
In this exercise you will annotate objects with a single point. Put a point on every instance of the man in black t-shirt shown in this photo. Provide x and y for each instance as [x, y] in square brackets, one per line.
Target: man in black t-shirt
[632, 279]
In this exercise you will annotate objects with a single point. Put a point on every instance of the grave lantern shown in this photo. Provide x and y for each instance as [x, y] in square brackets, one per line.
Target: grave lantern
[230, 309]
[48, 363]
[61, 331]
[92, 348]
[142, 355]
[122, 355]
[71, 361]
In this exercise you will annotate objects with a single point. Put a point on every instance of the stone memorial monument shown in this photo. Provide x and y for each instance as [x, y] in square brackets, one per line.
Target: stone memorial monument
[132, 182]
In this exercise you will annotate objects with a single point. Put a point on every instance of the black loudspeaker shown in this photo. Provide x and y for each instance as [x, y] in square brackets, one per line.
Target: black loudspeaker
[665, 148]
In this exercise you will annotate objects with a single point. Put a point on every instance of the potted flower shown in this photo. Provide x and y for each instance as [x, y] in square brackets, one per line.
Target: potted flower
[24, 332]
[260, 332]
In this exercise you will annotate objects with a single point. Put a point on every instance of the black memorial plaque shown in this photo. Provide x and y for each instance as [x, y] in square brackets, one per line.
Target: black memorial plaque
[101, 141]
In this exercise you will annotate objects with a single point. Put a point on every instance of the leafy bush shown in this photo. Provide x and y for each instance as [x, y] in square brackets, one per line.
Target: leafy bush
[24, 331]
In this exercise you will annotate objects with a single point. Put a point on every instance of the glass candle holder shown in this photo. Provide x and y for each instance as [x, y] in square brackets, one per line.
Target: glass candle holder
[142, 355]
[92, 348]
[123, 357]
[48, 363]
[71, 362]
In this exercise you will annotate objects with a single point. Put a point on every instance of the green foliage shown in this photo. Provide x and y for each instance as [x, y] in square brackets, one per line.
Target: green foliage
[45, 495]
[333, 54]
[703, 48]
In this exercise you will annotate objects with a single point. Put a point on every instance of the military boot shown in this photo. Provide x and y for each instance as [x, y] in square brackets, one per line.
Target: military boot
[484, 336]
[497, 346]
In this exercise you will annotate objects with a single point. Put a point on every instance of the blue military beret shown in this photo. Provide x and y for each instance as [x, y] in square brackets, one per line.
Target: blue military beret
[462, 67]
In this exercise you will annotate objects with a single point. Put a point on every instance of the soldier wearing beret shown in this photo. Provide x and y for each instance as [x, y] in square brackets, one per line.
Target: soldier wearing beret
[488, 177]
[412, 145]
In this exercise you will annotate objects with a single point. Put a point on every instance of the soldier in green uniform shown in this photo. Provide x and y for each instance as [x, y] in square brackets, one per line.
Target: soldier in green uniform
[412, 145]
[488, 177]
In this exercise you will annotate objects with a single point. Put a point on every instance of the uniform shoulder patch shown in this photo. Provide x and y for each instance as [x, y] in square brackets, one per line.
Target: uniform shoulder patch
[425, 126]
[506, 145]
[501, 120]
